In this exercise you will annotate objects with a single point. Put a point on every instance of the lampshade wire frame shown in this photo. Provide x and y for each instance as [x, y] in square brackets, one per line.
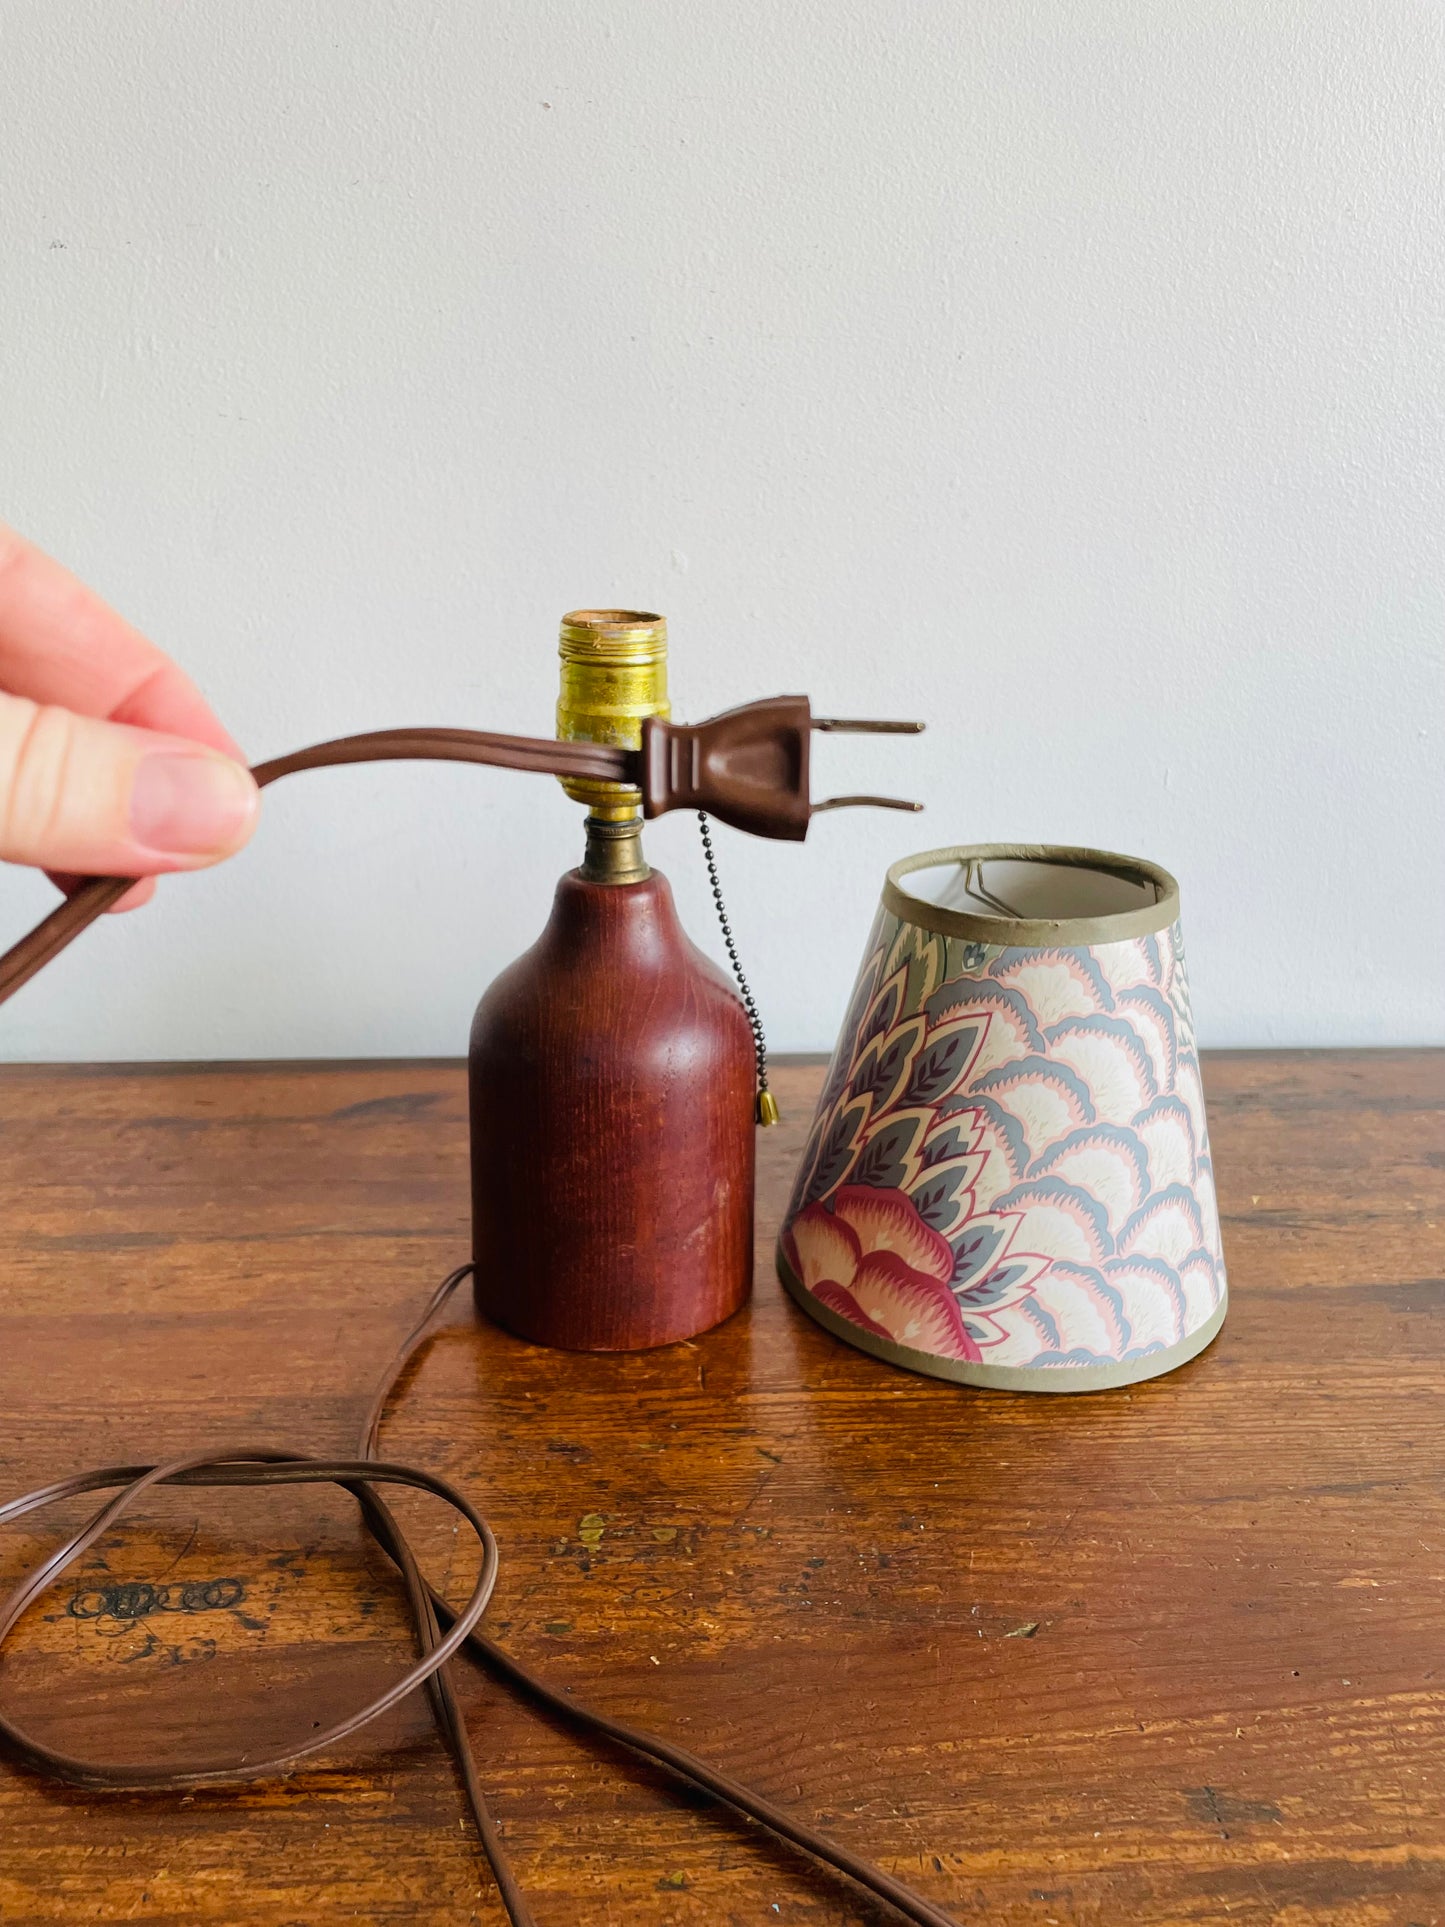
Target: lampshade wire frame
[974, 884]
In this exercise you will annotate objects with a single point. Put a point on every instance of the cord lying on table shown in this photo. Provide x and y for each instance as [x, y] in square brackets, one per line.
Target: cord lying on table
[442, 1632]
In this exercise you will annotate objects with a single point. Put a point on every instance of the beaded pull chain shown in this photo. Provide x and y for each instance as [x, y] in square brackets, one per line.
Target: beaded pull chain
[767, 1104]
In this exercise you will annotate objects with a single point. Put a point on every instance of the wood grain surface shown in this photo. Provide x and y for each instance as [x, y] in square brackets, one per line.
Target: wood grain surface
[613, 1146]
[1165, 1655]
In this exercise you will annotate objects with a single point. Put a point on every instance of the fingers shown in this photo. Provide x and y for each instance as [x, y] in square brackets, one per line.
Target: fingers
[102, 799]
[81, 801]
[59, 643]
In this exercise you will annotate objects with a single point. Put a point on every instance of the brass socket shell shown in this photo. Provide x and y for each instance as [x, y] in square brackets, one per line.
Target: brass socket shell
[614, 674]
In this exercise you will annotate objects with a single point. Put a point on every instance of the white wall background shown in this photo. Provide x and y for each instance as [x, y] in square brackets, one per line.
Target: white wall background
[1068, 372]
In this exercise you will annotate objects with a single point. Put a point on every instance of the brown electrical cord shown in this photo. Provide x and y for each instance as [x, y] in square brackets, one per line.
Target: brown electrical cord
[94, 897]
[748, 767]
[441, 1630]
[431, 1614]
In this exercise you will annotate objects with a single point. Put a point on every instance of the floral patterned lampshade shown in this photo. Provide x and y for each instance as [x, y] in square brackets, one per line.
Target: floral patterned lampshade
[1008, 1179]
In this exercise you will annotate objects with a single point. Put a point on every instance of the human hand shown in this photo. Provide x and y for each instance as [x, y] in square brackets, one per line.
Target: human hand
[111, 763]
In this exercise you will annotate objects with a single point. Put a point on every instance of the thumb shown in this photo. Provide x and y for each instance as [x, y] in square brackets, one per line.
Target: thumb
[104, 799]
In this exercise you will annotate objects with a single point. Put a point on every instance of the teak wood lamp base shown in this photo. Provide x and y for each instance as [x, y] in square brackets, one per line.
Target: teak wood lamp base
[611, 1075]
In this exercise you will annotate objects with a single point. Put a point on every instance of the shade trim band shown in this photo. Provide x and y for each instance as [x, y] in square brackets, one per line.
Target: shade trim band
[1034, 932]
[1005, 1378]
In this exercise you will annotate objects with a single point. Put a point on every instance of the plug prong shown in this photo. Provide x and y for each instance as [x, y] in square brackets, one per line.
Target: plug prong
[865, 802]
[867, 727]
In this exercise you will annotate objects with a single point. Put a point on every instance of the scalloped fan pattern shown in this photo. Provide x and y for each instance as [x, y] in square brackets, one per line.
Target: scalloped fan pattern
[1009, 1161]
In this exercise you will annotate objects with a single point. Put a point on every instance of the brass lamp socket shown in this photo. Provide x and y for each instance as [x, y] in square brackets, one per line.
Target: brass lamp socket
[614, 675]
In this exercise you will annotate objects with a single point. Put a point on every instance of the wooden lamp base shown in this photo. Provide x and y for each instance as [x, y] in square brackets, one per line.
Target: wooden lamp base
[612, 1080]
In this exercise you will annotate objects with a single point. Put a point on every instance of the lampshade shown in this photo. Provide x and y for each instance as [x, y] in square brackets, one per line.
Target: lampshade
[1008, 1180]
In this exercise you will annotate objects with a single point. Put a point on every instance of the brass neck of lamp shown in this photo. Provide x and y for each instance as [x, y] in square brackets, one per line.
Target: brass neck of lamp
[614, 850]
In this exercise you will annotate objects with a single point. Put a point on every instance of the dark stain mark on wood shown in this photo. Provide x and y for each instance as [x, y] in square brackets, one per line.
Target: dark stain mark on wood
[104, 1241]
[134, 1599]
[1224, 1810]
[405, 1104]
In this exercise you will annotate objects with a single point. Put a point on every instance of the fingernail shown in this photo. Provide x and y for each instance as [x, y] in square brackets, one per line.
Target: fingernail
[190, 805]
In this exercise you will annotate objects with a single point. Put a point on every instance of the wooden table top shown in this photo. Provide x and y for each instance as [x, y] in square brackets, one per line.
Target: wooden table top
[1174, 1654]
